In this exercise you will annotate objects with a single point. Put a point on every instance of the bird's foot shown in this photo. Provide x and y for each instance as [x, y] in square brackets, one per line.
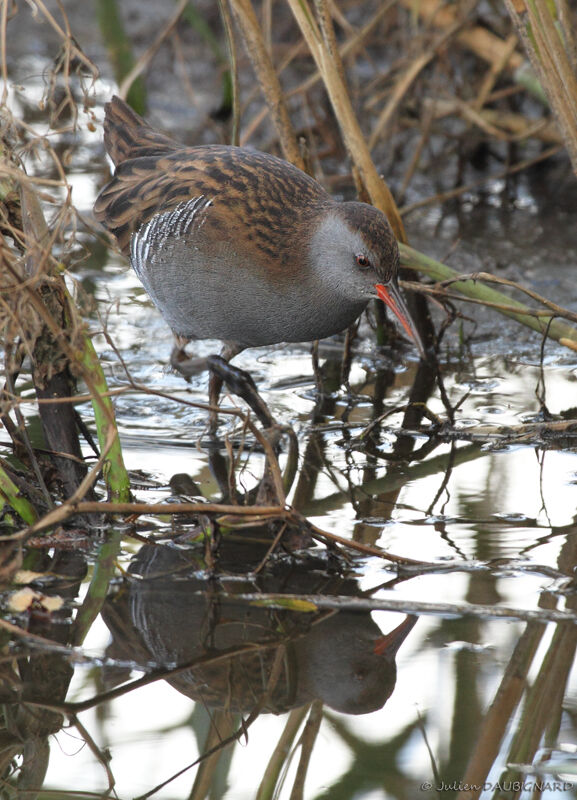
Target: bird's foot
[185, 364]
[241, 383]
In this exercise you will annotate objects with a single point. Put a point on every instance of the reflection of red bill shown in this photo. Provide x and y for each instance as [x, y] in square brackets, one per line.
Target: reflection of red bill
[392, 297]
[388, 644]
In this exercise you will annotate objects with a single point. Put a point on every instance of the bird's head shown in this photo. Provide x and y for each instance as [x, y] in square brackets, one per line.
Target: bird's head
[356, 250]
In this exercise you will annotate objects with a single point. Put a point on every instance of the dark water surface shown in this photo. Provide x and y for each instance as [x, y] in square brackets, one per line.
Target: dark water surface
[485, 692]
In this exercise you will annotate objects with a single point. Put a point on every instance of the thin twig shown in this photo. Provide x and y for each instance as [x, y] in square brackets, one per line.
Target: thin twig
[151, 50]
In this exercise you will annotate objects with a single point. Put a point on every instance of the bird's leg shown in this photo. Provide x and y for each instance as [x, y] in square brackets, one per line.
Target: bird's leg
[229, 350]
[241, 383]
[348, 355]
[182, 362]
[214, 388]
[316, 366]
[270, 490]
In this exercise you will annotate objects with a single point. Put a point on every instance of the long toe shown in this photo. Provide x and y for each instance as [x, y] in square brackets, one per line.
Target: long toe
[185, 364]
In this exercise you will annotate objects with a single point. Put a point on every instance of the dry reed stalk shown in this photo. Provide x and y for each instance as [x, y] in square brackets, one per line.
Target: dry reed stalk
[277, 761]
[221, 726]
[371, 183]
[477, 39]
[548, 38]
[307, 743]
[501, 710]
[151, 51]
[503, 173]
[544, 701]
[426, 124]
[328, 33]
[495, 70]
[226, 17]
[346, 49]
[35, 306]
[506, 126]
[258, 52]
[350, 46]
[409, 76]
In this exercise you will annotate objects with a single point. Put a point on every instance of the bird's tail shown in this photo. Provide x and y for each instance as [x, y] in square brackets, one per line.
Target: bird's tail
[127, 135]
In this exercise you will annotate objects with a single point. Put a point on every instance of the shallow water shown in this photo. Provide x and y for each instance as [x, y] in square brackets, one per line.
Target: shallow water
[493, 518]
[485, 679]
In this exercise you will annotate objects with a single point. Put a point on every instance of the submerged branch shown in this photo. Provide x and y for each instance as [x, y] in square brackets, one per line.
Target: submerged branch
[416, 608]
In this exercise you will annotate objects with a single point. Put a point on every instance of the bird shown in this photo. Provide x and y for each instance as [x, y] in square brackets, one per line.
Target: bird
[241, 246]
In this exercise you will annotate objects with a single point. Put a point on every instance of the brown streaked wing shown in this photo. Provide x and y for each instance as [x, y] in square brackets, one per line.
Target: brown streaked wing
[244, 184]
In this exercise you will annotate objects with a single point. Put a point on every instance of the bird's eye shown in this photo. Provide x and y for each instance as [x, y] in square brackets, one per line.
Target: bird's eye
[362, 261]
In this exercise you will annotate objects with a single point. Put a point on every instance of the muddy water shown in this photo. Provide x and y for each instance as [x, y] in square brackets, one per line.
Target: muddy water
[484, 692]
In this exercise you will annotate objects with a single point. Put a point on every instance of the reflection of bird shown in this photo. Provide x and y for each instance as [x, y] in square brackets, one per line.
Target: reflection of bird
[171, 616]
[241, 246]
[348, 664]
